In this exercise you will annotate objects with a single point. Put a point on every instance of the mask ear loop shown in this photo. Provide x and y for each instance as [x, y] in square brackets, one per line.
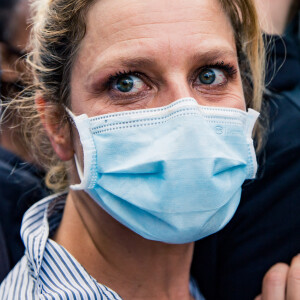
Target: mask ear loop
[87, 175]
[251, 120]
[79, 168]
[71, 117]
[70, 114]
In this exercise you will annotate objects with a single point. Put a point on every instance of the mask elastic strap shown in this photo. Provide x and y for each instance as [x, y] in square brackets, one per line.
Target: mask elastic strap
[69, 112]
[79, 168]
[252, 117]
[89, 152]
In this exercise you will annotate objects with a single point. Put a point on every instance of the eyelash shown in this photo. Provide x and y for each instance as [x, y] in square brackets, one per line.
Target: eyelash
[119, 74]
[228, 68]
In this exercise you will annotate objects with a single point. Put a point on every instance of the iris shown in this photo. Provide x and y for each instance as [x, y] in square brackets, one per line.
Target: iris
[207, 76]
[125, 84]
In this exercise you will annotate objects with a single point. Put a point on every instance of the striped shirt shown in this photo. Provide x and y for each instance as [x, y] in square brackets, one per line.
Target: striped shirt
[47, 270]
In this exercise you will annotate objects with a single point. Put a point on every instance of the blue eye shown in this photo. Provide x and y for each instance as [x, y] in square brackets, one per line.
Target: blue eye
[211, 76]
[128, 83]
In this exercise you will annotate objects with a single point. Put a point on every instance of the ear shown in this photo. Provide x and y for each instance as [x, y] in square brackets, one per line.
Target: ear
[57, 129]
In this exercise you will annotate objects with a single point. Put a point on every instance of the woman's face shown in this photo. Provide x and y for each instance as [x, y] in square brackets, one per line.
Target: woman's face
[143, 54]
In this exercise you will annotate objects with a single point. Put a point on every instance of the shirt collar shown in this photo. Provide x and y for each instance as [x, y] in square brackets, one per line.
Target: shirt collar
[35, 229]
[39, 222]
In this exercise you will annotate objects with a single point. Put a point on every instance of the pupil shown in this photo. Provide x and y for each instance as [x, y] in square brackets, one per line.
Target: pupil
[125, 84]
[207, 76]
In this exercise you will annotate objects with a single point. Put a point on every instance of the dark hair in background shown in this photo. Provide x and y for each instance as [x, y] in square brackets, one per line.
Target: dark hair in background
[6, 10]
[7, 20]
[7, 3]
[294, 10]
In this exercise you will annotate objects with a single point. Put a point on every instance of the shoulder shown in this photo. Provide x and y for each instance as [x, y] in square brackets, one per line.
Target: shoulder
[19, 284]
[14, 170]
[20, 182]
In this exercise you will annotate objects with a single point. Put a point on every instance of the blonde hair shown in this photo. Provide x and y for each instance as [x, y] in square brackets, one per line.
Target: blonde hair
[58, 29]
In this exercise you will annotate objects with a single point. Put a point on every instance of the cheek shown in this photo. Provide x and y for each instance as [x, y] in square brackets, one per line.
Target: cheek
[232, 97]
[236, 100]
[235, 97]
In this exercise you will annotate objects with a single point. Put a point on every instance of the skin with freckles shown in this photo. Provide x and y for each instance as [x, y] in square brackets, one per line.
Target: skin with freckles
[142, 54]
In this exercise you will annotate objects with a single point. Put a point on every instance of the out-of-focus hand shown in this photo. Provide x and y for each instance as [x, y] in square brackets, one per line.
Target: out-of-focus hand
[282, 282]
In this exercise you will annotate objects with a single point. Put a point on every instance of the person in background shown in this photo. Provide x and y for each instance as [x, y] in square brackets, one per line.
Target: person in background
[266, 228]
[21, 182]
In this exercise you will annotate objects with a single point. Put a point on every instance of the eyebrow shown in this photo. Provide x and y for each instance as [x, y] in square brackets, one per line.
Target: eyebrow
[141, 62]
[214, 55]
[130, 62]
[136, 62]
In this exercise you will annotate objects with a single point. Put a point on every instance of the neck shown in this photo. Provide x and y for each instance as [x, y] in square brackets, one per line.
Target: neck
[132, 266]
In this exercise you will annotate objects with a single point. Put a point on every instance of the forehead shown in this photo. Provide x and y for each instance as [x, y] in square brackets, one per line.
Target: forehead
[133, 22]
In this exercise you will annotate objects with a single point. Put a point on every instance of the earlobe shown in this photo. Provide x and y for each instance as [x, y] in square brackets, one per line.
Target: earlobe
[57, 130]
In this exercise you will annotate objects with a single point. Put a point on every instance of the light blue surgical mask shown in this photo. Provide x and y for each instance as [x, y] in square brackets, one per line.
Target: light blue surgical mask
[171, 174]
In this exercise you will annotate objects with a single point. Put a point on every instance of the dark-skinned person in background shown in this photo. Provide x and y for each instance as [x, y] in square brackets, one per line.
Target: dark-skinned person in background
[20, 180]
[264, 234]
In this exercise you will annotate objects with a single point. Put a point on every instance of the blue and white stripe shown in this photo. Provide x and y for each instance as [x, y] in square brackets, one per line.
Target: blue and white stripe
[47, 270]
